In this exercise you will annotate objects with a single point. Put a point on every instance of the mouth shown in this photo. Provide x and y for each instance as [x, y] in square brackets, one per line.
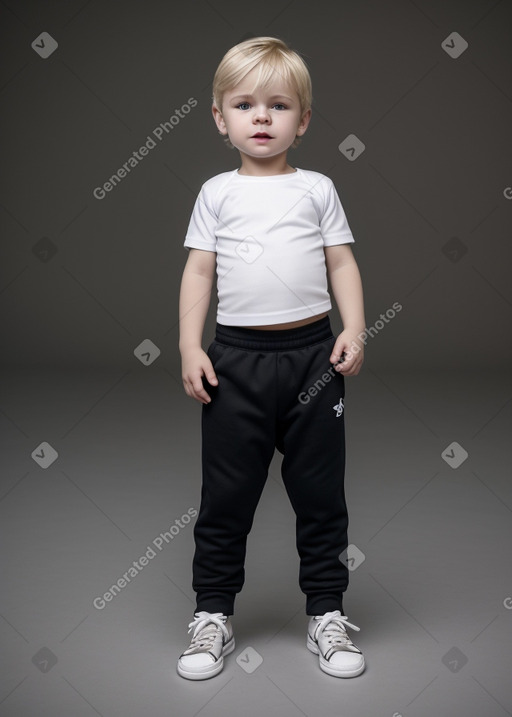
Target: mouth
[261, 135]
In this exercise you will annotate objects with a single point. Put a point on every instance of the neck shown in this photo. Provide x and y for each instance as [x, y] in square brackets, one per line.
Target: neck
[264, 166]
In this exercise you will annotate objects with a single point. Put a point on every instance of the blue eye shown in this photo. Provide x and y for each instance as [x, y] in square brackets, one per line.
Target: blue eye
[246, 105]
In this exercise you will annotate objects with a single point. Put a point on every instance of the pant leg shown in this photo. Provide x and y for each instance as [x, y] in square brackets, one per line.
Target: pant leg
[311, 431]
[238, 442]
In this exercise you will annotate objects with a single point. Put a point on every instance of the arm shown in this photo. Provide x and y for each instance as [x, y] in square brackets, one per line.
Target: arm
[195, 294]
[347, 288]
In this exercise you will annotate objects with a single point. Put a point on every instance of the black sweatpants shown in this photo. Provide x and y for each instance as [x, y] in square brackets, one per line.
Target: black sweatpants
[277, 389]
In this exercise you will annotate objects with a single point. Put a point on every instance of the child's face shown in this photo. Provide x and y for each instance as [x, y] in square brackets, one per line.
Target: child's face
[274, 110]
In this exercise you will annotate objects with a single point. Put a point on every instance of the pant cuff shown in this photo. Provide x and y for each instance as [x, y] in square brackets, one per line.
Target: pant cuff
[319, 605]
[225, 605]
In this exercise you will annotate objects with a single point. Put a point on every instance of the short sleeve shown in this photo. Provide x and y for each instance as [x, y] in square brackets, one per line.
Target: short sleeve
[203, 223]
[333, 224]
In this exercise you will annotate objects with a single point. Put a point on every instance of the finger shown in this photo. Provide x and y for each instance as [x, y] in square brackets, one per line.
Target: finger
[343, 368]
[211, 377]
[337, 353]
[353, 369]
[344, 361]
[199, 392]
[347, 367]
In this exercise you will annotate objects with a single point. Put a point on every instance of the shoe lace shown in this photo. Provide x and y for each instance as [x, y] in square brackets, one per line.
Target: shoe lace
[205, 626]
[333, 626]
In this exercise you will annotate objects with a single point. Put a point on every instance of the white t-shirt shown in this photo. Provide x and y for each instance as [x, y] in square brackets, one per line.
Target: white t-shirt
[269, 234]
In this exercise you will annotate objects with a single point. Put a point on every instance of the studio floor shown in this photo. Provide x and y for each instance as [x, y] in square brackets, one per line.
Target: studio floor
[98, 466]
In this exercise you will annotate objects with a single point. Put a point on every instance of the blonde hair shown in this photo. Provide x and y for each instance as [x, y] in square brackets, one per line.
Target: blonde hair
[270, 55]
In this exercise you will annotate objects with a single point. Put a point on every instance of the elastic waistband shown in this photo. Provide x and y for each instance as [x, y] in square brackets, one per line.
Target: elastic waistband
[274, 339]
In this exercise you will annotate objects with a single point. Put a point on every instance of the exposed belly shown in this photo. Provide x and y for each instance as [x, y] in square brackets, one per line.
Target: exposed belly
[291, 324]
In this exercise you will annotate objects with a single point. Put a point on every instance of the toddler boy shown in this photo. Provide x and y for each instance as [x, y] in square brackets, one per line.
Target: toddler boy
[273, 377]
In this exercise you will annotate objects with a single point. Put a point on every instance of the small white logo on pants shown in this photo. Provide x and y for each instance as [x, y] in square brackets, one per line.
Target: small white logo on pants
[339, 408]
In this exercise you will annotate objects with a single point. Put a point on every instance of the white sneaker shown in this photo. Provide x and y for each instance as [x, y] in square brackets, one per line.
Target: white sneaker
[327, 638]
[211, 640]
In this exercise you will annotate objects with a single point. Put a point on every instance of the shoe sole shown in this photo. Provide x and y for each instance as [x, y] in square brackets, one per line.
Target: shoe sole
[328, 668]
[208, 672]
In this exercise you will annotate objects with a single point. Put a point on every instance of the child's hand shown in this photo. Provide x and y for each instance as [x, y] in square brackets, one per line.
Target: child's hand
[194, 364]
[350, 343]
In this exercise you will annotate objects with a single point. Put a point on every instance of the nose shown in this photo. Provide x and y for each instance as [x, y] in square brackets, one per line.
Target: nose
[261, 114]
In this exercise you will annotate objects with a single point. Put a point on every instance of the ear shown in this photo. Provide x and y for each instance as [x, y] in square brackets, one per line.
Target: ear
[303, 124]
[219, 119]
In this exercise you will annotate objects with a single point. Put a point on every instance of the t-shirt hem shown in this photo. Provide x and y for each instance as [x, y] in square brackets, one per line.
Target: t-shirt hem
[342, 239]
[274, 318]
[195, 244]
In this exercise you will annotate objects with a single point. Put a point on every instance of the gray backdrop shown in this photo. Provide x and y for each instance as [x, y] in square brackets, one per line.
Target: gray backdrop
[101, 446]
[85, 280]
